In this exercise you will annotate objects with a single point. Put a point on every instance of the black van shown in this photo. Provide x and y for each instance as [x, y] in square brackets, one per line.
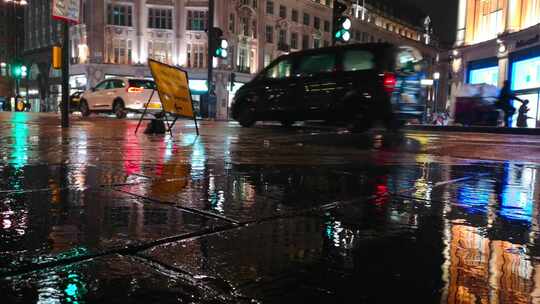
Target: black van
[357, 83]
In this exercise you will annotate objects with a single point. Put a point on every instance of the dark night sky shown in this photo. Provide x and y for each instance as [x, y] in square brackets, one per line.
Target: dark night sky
[443, 13]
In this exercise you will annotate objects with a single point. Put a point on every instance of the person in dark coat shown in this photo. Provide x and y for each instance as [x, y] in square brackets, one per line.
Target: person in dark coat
[522, 115]
[505, 103]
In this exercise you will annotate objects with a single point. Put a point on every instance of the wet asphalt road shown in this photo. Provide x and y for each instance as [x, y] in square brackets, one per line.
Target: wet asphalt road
[97, 214]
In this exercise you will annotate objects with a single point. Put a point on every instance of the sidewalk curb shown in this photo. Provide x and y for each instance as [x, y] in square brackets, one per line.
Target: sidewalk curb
[477, 129]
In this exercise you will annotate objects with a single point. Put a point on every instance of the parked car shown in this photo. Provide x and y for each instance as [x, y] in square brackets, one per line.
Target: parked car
[357, 83]
[120, 96]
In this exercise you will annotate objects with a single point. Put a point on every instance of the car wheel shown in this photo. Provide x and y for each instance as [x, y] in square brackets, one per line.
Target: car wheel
[119, 110]
[85, 110]
[246, 117]
[287, 123]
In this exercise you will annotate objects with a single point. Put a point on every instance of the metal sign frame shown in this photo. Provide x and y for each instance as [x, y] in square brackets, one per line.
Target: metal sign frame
[176, 115]
[68, 4]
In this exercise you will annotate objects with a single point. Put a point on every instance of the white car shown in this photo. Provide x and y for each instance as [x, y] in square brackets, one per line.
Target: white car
[119, 96]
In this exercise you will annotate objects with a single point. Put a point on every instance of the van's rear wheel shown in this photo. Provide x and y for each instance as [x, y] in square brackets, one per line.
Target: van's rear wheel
[246, 117]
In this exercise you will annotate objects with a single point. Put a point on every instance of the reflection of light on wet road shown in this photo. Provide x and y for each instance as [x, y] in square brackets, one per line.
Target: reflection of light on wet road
[198, 154]
[19, 149]
[517, 195]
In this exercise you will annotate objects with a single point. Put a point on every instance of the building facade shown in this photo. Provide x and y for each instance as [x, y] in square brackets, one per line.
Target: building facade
[10, 45]
[499, 40]
[116, 38]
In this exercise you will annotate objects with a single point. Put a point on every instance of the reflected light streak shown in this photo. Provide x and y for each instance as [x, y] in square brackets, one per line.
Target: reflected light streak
[19, 153]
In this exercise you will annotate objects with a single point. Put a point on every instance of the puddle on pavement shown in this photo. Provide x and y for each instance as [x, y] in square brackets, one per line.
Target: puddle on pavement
[115, 279]
[473, 241]
[39, 227]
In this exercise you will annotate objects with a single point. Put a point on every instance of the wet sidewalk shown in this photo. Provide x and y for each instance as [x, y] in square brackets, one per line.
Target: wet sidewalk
[98, 214]
[475, 129]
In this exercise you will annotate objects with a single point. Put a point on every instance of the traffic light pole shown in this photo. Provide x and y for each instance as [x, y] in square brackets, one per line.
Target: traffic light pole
[210, 55]
[65, 76]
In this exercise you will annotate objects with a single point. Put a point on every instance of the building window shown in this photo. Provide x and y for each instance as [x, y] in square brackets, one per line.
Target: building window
[245, 2]
[294, 40]
[269, 7]
[282, 11]
[282, 37]
[254, 29]
[243, 61]
[317, 23]
[305, 42]
[269, 34]
[160, 51]
[294, 15]
[326, 26]
[255, 3]
[118, 14]
[120, 51]
[3, 67]
[267, 59]
[316, 43]
[491, 19]
[232, 23]
[82, 13]
[244, 23]
[197, 20]
[196, 56]
[306, 19]
[160, 18]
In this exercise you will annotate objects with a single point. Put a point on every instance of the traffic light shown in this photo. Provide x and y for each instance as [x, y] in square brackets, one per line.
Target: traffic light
[16, 70]
[218, 44]
[342, 23]
[24, 71]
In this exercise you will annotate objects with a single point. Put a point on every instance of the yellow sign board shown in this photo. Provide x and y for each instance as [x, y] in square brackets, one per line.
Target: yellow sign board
[173, 88]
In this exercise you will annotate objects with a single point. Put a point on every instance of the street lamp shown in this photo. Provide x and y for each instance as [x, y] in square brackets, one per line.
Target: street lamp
[436, 77]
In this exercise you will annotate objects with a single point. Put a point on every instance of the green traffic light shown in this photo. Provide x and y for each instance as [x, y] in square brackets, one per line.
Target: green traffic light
[17, 71]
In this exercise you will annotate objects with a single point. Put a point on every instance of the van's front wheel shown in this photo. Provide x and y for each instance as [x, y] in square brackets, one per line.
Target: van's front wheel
[246, 117]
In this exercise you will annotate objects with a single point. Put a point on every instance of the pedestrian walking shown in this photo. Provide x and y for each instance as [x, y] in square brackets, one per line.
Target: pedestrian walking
[522, 114]
[505, 103]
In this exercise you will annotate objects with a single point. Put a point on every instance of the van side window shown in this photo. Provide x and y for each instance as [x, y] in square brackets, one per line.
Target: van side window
[358, 60]
[282, 69]
[320, 63]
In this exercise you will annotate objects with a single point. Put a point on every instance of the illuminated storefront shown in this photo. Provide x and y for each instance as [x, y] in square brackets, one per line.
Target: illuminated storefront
[484, 71]
[499, 40]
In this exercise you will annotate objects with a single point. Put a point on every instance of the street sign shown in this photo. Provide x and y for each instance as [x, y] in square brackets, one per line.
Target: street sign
[173, 88]
[66, 10]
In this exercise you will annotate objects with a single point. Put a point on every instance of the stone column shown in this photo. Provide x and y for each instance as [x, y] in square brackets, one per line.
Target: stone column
[139, 6]
[222, 94]
[95, 30]
[503, 70]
